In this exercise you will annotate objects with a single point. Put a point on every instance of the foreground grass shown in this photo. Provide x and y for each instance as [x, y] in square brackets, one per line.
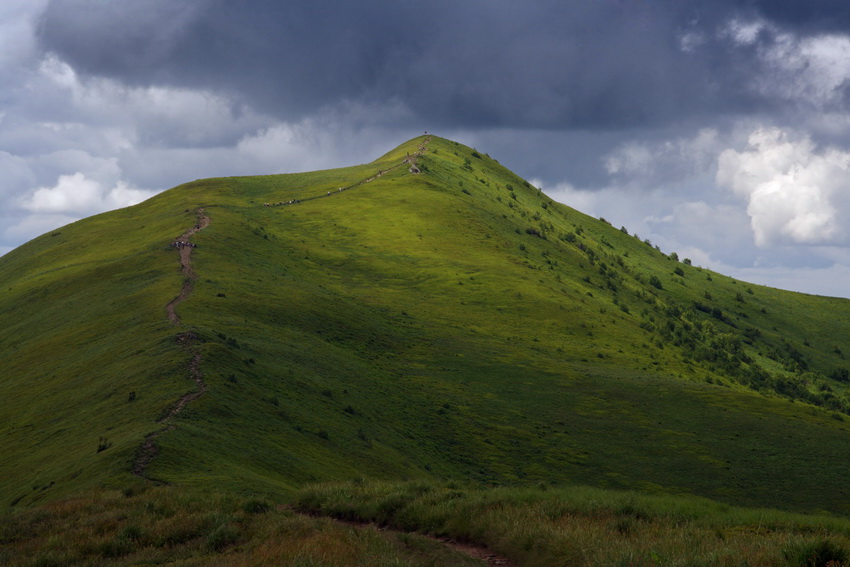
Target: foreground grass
[169, 526]
[392, 524]
[580, 526]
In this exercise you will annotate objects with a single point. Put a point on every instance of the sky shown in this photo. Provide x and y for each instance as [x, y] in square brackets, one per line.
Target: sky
[719, 129]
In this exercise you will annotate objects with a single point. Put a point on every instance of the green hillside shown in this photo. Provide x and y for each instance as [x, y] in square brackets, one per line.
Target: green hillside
[435, 319]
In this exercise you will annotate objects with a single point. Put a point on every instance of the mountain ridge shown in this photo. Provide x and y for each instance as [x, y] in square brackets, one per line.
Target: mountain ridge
[454, 322]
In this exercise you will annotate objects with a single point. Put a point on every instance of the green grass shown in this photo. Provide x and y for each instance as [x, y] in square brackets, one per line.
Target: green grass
[166, 526]
[407, 524]
[584, 526]
[452, 324]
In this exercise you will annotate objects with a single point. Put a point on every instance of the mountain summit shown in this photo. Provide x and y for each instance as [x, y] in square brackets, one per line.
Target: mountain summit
[429, 314]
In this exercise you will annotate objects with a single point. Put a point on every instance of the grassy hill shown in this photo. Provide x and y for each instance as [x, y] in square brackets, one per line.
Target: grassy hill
[428, 315]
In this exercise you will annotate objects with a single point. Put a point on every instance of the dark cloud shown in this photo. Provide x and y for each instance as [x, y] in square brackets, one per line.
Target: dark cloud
[549, 64]
[820, 16]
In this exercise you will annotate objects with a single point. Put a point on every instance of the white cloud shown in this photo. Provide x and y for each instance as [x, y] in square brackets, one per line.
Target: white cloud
[77, 194]
[795, 192]
[742, 32]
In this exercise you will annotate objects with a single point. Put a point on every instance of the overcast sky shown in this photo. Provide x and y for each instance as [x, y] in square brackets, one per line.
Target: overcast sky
[717, 129]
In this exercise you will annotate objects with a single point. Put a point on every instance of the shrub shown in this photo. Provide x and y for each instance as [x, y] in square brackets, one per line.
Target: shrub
[820, 553]
[221, 537]
[840, 375]
[655, 282]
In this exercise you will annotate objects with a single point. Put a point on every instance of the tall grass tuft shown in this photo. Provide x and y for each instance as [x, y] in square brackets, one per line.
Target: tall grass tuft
[815, 553]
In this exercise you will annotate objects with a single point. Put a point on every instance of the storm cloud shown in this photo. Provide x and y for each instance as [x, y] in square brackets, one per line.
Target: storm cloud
[718, 129]
[547, 64]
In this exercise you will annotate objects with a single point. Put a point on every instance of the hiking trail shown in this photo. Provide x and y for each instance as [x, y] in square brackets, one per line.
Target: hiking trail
[410, 160]
[187, 340]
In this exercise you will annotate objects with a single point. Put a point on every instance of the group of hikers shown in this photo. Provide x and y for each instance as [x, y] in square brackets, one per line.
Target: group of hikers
[181, 244]
[296, 201]
[281, 203]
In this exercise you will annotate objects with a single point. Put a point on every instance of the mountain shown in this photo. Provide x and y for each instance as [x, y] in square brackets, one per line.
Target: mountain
[426, 315]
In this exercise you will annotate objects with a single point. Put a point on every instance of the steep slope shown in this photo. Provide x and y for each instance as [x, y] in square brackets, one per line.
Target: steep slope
[428, 314]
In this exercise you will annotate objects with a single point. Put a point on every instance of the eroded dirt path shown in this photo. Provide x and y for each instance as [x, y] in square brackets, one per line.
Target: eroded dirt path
[187, 340]
[185, 247]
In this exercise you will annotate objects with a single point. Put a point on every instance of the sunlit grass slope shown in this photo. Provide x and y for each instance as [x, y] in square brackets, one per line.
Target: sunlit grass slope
[455, 323]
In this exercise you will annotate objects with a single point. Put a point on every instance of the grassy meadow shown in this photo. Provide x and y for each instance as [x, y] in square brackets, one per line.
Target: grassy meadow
[451, 324]
[416, 523]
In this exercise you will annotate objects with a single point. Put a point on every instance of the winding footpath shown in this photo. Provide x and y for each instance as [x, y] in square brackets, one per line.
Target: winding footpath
[187, 340]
